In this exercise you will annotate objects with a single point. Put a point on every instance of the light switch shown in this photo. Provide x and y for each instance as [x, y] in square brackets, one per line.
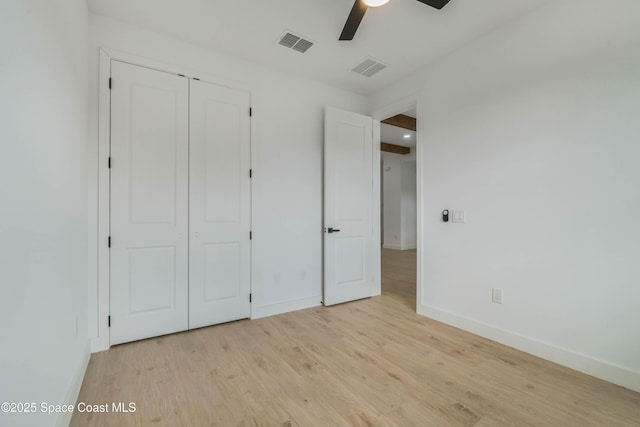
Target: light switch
[459, 216]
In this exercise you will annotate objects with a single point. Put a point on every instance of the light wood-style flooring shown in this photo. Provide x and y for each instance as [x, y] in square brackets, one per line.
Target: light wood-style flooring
[370, 362]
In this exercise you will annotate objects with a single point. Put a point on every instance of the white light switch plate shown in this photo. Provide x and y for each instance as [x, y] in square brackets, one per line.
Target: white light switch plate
[459, 216]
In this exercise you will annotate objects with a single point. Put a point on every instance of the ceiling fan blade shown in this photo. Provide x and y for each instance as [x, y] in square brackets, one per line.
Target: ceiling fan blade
[353, 21]
[438, 4]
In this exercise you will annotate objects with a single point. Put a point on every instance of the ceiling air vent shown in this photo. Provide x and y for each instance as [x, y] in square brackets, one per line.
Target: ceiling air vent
[368, 67]
[295, 42]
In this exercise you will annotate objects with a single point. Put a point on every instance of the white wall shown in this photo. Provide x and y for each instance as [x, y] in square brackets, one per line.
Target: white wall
[287, 160]
[43, 199]
[408, 203]
[533, 130]
[392, 209]
[399, 201]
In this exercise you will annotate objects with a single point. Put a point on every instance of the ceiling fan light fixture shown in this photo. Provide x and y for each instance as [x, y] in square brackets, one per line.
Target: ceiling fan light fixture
[375, 3]
[360, 8]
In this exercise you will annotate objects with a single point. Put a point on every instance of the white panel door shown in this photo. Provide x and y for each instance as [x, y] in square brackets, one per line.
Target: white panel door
[219, 205]
[348, 207]
[149, 203]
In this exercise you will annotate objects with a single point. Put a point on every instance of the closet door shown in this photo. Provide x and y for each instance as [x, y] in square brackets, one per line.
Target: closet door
[149, 203]
[219, 205]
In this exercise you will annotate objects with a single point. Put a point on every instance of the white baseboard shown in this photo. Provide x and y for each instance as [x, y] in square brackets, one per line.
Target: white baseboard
[580, 362]
[72, 394]
[100, 343]
[399, 247]
[258, 312]
[390, 246]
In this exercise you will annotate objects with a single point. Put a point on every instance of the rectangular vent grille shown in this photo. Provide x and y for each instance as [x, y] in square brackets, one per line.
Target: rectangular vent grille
[368, 67]
[297, 43]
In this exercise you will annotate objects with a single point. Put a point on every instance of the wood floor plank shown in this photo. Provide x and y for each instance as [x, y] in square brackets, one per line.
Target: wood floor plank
[373, 362]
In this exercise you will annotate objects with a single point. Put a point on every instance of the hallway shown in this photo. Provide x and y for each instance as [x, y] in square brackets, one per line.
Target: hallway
[399, 276]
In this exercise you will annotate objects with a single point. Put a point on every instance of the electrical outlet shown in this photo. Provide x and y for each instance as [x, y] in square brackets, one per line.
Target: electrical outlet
[496, 295]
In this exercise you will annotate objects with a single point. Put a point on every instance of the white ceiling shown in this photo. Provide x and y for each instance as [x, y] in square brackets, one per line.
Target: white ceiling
[395, 135]
[405, 34]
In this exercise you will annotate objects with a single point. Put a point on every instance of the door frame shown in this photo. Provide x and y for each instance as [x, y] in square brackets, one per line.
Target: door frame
[100, 189]
[381, 113]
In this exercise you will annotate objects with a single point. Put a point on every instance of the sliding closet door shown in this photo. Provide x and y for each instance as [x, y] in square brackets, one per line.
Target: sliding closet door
[219, 205]
[149, 203]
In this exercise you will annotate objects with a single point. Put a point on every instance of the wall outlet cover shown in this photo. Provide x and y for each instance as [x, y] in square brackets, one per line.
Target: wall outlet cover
[496, 295]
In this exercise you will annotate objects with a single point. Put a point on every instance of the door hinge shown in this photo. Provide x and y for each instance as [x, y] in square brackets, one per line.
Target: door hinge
[251, 235]
[250, 112]
[109, 163]
[109, 83]
[250, 173]
[250, 297]
[109, 321]
[109, 241]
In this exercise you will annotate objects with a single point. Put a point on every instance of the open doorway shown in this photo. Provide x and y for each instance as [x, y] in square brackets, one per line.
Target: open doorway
[398, 206]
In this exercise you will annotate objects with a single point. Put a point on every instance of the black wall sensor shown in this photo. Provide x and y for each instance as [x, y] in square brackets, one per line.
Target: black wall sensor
[445, 215]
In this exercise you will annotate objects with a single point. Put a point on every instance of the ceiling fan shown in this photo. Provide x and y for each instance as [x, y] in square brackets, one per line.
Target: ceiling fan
[360, 7]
